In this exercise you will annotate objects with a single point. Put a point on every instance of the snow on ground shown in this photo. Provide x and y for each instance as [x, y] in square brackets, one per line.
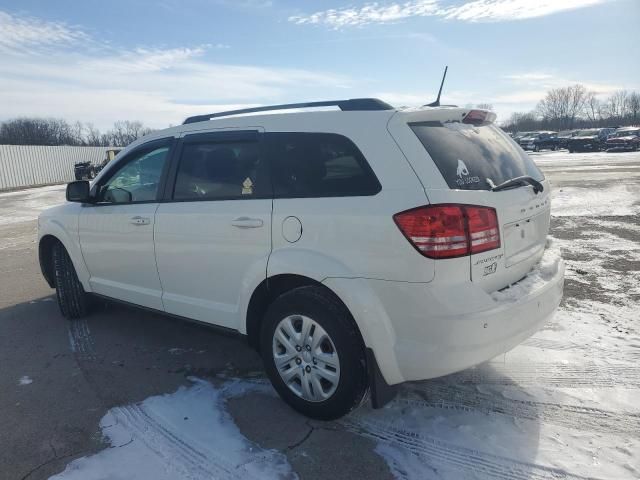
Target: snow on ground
[26, 205]
[598, 159]
[25, 380]
[183, 435]
[617, 200]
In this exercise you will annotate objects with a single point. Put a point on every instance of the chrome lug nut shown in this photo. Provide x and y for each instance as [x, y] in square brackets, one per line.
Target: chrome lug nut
[307, 369]
[298, 348]
[298, 361]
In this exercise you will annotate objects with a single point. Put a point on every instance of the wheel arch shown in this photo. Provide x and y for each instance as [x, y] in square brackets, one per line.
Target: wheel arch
[270, 289]
[45, 257]
[55, 233]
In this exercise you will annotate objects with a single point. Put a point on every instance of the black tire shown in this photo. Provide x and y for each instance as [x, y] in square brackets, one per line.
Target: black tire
[72, 299]
[329, 313]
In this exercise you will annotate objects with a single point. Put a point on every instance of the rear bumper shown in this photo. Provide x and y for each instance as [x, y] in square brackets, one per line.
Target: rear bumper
[466, 340]
[420, 331]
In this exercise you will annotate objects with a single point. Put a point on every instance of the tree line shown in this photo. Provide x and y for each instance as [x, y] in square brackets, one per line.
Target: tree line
[576, 107]
[55, 131]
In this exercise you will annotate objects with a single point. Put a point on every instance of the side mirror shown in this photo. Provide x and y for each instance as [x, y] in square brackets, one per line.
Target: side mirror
[78, 191]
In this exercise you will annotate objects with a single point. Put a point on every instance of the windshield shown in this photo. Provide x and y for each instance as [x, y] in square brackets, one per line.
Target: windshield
[470, 157]
[587, 133]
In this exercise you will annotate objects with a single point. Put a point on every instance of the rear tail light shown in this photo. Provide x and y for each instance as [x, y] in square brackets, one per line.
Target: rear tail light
[479, 117]
[448, 231]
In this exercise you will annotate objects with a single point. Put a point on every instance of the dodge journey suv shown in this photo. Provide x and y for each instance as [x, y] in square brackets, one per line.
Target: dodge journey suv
[355, 248]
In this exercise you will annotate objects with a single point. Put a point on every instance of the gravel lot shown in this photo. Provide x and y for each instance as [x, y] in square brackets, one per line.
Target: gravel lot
[562, 405]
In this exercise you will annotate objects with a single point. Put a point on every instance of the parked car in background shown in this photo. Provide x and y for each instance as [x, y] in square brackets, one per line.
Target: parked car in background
[624, 139]
[589, 140]
[540, 141]
[564, 137]
[88, 170]
[520, 135]
[356, 249]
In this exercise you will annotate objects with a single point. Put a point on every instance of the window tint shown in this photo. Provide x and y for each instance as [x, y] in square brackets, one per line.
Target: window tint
[471, 157]
[318, 165]
[138, 179]
[216, 170]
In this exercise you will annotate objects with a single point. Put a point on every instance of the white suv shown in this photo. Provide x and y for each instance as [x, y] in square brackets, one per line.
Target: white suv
[356, 248]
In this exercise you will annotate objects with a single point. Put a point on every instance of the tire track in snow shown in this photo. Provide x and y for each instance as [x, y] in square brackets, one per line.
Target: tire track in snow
[544, 343]
[586, 375]
[548, 344]
[180, 455]
[80, 339]
[450, 397]
[438, 453]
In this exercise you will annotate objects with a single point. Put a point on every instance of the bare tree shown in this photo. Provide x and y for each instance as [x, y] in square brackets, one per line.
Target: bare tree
[485, 106]
[561, 106]
[124, 132]
[617, 105]
[634, 107]
[592, 108]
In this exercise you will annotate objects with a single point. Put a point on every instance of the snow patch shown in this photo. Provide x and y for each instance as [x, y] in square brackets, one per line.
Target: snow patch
[617, 200]
[26, 205]
[25, 380]
[184, 435]
[539, 276]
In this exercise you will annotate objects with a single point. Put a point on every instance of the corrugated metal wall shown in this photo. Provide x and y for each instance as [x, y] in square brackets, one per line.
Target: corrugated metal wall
[30, 166]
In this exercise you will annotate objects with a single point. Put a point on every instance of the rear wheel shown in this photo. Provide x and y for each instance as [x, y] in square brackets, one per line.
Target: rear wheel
[72, 299]
[313, 353]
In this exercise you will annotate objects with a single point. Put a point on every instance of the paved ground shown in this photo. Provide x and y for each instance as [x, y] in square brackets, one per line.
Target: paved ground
[59, 378]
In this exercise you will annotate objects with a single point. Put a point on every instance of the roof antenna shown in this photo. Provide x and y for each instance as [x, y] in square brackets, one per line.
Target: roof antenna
[437, 102]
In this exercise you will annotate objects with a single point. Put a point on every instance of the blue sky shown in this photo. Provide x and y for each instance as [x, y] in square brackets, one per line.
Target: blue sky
[160, 61]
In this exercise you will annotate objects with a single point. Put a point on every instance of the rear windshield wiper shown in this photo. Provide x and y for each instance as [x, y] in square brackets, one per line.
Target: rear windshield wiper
[523, 180]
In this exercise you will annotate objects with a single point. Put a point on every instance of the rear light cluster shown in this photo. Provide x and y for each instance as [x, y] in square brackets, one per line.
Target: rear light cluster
[450, 230]
[479, 117]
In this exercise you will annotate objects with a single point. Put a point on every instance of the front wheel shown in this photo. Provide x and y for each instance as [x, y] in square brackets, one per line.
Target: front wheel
[313, 353]
[72, 299]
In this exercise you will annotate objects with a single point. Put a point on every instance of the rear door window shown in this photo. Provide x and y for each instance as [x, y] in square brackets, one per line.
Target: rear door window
[472, 157]
[215, 170]
[318, 165]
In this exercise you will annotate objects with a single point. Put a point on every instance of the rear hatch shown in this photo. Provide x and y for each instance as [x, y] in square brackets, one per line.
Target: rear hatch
[469, 159]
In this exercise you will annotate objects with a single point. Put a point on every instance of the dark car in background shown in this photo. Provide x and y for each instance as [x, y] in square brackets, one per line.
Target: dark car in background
[520, 135]
[537, 141]
[624, 139]
[564, 137]
[589, 140]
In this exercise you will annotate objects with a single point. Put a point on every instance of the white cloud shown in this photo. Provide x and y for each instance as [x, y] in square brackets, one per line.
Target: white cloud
[506, 10]
[472, 11]
[370, 13]
[157, 86]
[19, 34]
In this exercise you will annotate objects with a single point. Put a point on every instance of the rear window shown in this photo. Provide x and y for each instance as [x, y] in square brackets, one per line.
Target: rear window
[471, 157]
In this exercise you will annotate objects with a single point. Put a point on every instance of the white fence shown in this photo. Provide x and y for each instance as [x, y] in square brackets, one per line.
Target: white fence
[30, 166]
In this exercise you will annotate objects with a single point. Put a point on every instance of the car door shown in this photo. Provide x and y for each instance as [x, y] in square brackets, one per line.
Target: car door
[213, 238]
[116, 232]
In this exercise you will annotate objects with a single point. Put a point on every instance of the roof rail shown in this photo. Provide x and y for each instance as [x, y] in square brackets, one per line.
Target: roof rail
[354, 104]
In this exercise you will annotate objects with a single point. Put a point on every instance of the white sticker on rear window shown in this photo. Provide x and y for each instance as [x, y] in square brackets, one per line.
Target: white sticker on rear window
[463, 175]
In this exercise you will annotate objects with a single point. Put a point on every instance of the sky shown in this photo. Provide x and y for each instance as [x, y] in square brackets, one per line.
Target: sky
[159, 61]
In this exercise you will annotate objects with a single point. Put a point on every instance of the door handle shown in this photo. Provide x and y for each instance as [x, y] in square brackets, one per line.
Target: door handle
[137, 220]
[246, 222]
